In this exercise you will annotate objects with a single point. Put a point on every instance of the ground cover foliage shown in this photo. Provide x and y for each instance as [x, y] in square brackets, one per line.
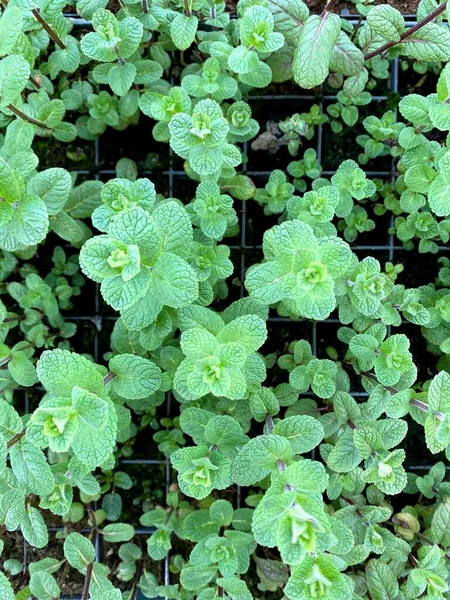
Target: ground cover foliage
[292, 462]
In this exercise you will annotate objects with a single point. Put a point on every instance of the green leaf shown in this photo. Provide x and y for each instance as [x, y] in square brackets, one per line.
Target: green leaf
[121, 77]
[235, 588]
[118, 532]
[84, 199]
[78, 551]
[6, 591]
[130, 32]
[136, 377]
[263, 402]
[68, 228]
[381, 581]
[440, 524]
[306, 477]
[311, 574]
[415, 108]
[344, 457]
[258, 457]
[224, 432]
[439, 393]
[43, 586]
[27, 226]
[222, 512]
[176, 228]
[53, 186]
[386, 21]
[430, 43]
[248, 330]
[60, 371]
[87, 8]
[10, 422]
[200, 524]
[96, 434]
[303, 432]
[11, 23]
[174, 281]
[22, 369]
[315, 45]
[183, 30]
[31, 468]
[240, 187]
[14, 74]
[196, 578]
[34, 529]
[346, 58]
[11, 184]
[112, 505]
[438, 197]
[288, 17]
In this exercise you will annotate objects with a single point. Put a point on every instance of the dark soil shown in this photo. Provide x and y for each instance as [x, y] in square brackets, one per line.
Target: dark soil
[316, 6]
[69, 580]
[407, 7]
[404, 6]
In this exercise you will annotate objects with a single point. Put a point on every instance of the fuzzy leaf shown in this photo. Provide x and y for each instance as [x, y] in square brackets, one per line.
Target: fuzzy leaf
[183, 30]
[315, 45]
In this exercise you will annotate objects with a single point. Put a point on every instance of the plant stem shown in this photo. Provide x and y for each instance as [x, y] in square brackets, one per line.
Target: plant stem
[109, 377]
[145, 6]
[269, 423]
[425, 408]
[280, 463]
[187, 8]
[4, 361]
[87, 581]
[16, 438]
[358, 25]
[413, 401]
[358, 510]
[119, 58]
[12, 319]
[329, 6]
[47, 28]
[168, 515]
[26, 117]
[35, 82]
[409, 32]
[134, 590]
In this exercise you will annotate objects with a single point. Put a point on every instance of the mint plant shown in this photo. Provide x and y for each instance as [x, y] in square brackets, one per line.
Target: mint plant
[232, 385]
